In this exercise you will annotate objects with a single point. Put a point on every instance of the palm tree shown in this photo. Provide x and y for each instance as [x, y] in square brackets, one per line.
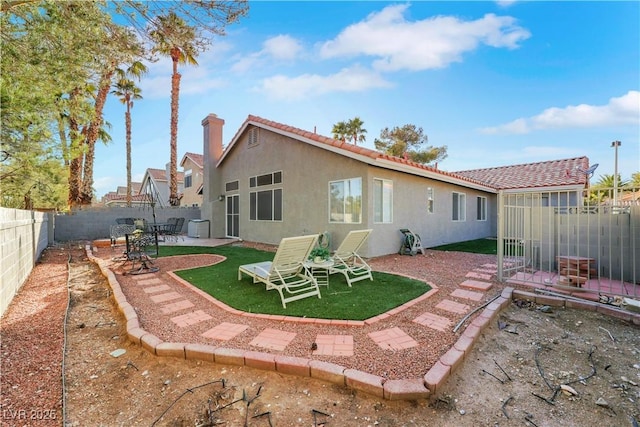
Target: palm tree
[177, 40]
[356, 132]
[340, 131]
[127, 91]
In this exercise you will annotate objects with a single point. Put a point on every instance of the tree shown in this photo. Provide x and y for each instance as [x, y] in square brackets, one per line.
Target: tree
[127, 91]
[175, 39]
[635, 180]
[356, 131]
[47, 51]
[340, 131]
[407, 141]
[607, 181]
[57, 69]
[350, 130]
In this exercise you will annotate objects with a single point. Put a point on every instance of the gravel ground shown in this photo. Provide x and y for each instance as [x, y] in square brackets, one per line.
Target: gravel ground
[32, 328]
[439, 269]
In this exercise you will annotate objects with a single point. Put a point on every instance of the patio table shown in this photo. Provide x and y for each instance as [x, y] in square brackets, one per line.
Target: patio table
[319, 270]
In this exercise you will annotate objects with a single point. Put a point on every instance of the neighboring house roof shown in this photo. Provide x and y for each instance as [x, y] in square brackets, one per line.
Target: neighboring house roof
[111, 197]
[554, 173]
[135, 188]
[366, 155]
[161, 175]
[198, 159]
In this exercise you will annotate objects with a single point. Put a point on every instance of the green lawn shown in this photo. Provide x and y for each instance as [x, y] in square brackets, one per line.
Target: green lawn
[479, 246]
[363, 300]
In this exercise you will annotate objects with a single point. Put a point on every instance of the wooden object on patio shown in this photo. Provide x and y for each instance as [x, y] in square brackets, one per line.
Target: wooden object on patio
[575, 270]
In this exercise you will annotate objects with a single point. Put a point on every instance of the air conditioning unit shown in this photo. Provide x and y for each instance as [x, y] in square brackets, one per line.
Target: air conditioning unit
[198, 228]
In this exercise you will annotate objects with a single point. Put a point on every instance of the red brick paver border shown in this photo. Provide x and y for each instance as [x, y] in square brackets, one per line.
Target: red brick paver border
[394, 339]
[273, 339]
[334, 345]
[225, 331]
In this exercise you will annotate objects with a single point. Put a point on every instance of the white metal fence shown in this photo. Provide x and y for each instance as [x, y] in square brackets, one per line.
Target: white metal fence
[580, 241]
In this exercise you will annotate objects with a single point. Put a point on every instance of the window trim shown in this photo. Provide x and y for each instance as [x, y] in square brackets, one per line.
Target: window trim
[255, 210]
[481, 207]
[344, 214]
[388, 204]
[461, 208]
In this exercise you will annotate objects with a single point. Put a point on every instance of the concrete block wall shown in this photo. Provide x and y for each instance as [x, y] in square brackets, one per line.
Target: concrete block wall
[23, 237]
[91, 223]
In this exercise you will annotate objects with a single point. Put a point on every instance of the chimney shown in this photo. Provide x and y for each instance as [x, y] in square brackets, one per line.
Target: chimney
[212, 126]
[212, 152]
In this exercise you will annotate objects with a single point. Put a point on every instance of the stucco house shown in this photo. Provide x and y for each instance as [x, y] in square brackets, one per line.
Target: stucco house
[273, 181]
[155, 184]
[193, 171]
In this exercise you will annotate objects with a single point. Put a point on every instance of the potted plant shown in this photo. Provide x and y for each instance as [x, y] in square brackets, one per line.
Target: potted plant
[319, 255]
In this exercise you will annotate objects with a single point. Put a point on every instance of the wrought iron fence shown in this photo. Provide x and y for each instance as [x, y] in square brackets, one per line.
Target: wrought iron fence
[586, 241]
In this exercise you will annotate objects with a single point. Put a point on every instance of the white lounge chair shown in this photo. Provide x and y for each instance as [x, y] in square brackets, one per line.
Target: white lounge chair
[347, 261]
[286, 273]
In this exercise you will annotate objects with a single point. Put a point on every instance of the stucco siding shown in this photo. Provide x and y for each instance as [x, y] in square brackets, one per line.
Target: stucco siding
[306, 174]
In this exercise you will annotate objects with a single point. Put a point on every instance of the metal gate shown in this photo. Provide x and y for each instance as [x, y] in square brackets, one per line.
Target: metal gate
[587, 241]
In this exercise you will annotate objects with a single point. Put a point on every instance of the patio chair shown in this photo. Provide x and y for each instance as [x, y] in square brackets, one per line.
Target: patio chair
[347, 261]
[286, 273]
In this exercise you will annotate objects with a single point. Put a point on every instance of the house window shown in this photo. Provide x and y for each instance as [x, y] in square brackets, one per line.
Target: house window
[187, 180]
[265, 205]
[345, 201]
[232, 186]
[430, 201]
[459, 212]
[481, 214]
[382, 201]
[266, 179]
[253, 137]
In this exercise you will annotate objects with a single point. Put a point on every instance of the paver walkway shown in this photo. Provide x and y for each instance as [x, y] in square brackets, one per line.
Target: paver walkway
[174, 303]
[327, 345]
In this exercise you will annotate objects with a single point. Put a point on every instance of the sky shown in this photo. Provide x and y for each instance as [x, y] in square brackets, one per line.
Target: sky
[497, 83]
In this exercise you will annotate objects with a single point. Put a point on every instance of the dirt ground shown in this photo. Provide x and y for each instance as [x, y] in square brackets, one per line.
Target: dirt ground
[512, 378]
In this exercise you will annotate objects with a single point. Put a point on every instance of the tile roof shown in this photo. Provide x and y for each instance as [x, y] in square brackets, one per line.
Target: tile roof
[346, 148]
[198, 159]
[161, 175]
[534, 175]
[554, 173]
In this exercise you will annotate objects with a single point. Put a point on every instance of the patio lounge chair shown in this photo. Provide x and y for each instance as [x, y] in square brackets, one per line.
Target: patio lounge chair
[286, 273]
[347, 261]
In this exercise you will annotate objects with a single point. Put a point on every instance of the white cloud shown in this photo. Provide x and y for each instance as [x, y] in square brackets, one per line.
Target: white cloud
[425, 44]
[624, 110]
[354, 79]
[281, 48]
[156, 84]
